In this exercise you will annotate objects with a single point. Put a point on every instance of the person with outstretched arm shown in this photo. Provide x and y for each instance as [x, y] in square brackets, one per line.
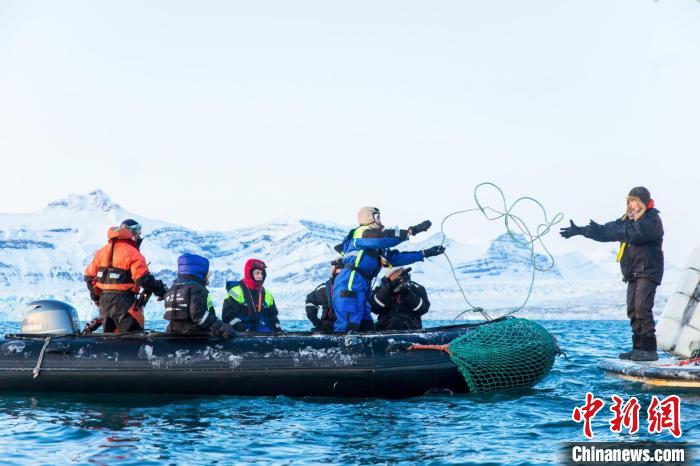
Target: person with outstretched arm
[640, 233]
[365, 250]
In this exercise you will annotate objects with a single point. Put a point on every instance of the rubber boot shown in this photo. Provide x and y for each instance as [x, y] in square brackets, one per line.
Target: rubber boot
[635, 346]
[647, 351]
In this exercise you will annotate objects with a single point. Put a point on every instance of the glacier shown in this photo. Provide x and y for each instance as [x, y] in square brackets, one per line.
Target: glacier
[43, 255]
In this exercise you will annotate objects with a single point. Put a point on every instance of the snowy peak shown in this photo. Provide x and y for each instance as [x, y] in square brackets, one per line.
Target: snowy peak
[506, 255]
[43, 255]
[95, 201]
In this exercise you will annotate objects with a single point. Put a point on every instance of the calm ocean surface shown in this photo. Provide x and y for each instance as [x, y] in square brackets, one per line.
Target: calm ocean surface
[525, 427]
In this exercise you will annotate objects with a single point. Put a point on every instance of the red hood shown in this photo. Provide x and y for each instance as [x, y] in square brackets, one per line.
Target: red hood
[247, 274]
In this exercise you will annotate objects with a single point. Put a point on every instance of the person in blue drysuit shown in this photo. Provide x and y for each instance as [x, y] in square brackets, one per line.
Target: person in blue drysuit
[365, 251]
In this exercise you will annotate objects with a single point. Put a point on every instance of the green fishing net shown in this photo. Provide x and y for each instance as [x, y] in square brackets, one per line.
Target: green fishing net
[504, 354]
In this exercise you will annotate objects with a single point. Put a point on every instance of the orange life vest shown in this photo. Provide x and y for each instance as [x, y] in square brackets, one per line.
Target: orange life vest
[118, 264]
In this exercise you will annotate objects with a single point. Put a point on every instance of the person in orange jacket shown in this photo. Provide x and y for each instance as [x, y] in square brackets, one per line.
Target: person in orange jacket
[116, 275]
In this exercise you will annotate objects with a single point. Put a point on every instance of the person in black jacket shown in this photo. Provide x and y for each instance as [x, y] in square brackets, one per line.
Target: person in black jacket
[640, 233]
[188, 305]
[322, 296]
[399, 302]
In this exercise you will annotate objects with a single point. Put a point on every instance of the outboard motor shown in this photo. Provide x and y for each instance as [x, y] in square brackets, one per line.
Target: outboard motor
[50, 317]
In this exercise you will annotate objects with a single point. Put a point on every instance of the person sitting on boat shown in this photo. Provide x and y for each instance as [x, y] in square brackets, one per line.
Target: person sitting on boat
[322, 297]
[188, 305]
[365, 251]
[116, 275]
[641, 259]
[248, 306]
[399, 302]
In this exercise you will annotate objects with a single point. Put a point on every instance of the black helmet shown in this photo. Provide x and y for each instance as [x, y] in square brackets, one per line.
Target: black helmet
[132, 225]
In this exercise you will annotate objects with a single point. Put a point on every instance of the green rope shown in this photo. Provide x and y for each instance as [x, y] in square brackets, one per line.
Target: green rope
[506, 214]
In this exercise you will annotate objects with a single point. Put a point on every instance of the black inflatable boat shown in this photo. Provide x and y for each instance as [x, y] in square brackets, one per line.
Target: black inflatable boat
[293, 364]
[51, 354]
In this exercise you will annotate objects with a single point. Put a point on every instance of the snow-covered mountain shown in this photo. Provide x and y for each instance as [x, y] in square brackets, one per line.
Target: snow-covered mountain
[43, 255]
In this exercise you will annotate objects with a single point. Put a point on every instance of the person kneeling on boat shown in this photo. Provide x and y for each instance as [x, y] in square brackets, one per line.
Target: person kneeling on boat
[116, 275]
[399, 302]
[365, 251]
[248, 306]
[641, 259]
[188, 304]
[322, 297]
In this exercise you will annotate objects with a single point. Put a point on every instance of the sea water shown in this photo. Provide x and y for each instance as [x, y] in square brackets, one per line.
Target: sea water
[525, 427]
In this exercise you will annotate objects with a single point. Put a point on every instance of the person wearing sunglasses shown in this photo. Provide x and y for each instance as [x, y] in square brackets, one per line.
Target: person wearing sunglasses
[248, 306]
[365, 250]
[116, 275]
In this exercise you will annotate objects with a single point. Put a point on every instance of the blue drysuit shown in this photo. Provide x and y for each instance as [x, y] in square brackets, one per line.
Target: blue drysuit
[365, 251]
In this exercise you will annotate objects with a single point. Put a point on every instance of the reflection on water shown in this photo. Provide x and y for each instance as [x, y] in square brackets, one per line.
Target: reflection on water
[521, 427]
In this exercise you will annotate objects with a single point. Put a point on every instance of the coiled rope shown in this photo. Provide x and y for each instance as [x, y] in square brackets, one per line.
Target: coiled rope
[506, 213]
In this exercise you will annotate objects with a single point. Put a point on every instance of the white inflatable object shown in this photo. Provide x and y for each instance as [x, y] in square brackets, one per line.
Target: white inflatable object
[688, 282]
[694, 262]
[694, 320]
[676, 306]
[678, 331]
[667, 332]
[687, 341]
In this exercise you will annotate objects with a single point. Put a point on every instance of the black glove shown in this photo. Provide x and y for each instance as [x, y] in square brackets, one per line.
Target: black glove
[568, 232]
[397, 284]
[94, 294]
[434, 251]
[594, 224]
[225, 331]
[421, 227]
[160, 290]
[91, 326]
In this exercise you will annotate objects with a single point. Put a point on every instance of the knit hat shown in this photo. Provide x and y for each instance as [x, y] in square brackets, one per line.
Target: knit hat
[642, 193]
[192, 264]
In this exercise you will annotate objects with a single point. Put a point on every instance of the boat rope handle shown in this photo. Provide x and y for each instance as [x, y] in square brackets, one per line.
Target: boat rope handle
[505, 213]
[37, 369]
[681, 363]
[418, 346]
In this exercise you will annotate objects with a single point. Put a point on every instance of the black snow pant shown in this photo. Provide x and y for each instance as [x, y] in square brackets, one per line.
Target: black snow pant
[114, 312]
[186, 327]
[397, 321]
[640, 302]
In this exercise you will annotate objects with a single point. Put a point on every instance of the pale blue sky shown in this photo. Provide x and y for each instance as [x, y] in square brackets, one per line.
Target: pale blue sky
[218, 114]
